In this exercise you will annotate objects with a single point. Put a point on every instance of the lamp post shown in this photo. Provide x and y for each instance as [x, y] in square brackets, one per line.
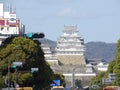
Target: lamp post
[73, 72]
[16, 63]
[8, 79]
[72, 84]
[8, 74]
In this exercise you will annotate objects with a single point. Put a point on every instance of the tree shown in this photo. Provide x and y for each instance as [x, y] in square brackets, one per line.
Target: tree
[28, 52]
[114, 67]
[97, 81]
[111, 66]
[59, 76]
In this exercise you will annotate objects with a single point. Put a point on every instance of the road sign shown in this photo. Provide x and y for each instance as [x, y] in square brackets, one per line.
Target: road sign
[34, 69]
[17, 63]
[55, 83]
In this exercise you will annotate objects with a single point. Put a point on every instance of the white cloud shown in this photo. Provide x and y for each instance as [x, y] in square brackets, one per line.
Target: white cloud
[66, 12]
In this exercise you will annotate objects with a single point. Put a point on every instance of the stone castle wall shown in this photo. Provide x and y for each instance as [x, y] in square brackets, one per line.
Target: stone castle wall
[71, 59]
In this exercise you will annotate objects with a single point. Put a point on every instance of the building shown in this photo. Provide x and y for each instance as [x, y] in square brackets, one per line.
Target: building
[102, 66]
[70, 47]
[47, 51]
[89, 68]
[9, 23]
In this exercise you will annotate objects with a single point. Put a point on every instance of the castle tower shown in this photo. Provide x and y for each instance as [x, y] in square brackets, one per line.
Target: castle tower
[70, 47]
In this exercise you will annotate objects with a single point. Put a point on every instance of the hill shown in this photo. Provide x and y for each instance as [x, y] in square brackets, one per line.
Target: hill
[100, 50]
[48, 42]
[94, 50]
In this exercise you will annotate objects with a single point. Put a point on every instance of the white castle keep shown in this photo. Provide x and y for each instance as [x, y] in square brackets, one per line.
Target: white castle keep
[70, 47]
[70, 43]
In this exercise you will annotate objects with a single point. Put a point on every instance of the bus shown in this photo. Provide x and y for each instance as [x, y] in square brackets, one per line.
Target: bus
[57, 88]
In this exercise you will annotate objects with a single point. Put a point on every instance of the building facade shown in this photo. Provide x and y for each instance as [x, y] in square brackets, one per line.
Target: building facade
[70, 47]
[9, 23]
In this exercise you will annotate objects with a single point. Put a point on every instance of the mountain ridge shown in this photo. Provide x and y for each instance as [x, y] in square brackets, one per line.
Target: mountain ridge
[101, 50]
[94, 49]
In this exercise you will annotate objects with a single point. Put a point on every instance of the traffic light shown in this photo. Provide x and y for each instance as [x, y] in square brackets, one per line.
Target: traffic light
[38, 35]
[35, 35]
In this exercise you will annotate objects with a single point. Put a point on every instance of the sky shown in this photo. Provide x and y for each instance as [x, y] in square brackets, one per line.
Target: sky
[96, 20]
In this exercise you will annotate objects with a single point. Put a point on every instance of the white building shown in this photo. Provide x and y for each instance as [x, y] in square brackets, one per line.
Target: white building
[89, 68]
[9, 23]
[47, 50]
[70, 43]
[1, 10]
[102, 66]
[70, 47]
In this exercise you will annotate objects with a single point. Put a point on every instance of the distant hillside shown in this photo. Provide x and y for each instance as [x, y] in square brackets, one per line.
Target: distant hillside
[51, 43]
[100, 50]
[94, 50]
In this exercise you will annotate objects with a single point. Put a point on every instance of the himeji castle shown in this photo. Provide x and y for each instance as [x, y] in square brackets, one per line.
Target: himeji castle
[70, 47]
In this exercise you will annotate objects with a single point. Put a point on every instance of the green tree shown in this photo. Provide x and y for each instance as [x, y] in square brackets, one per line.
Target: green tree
[114, 67]
[111, 66]
[31, 55]
[97, 80]
[59, 76]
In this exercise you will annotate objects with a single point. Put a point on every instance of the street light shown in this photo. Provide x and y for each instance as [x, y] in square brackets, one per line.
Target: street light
[8, 74]
[72, 81]
[16, 63]
[8, 79]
